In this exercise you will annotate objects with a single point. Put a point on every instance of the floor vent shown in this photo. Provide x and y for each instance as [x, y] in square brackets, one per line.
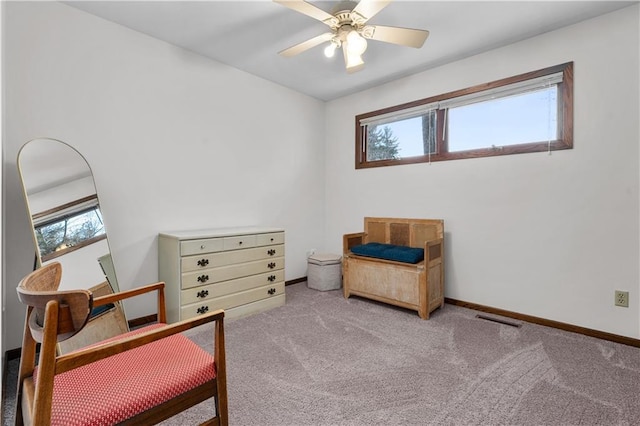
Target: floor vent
[499, 320]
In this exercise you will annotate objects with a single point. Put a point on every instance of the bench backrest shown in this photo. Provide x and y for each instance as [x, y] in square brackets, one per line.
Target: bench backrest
[404, 232]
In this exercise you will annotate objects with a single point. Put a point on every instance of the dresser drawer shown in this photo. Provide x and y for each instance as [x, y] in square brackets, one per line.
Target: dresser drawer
[239, 242]
[231, 300]
[269, 239]
[223, 288]
[224, 273]
[208, 245]
[214, 260]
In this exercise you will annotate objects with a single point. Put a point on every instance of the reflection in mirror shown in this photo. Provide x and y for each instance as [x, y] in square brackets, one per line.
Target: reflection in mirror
[67, 224]
[68, 227]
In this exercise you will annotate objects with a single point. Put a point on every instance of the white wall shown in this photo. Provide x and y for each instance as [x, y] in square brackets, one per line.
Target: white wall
[175, 141]
[549, 236]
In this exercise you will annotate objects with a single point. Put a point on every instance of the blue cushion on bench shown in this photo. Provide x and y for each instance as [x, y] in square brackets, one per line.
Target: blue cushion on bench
[390, 252]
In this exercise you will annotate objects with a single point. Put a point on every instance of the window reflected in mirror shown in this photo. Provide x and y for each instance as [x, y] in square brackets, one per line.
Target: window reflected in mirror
[70, 227]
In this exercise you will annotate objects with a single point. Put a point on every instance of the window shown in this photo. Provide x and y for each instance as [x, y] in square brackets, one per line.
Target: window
[532, 112]
[67, 228]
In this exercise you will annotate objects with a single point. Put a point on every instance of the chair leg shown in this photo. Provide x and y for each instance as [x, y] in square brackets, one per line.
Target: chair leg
[221, 374]
[27, 365]
[46, 368]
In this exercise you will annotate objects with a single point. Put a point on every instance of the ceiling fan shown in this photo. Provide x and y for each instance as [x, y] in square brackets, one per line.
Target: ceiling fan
[349, 31]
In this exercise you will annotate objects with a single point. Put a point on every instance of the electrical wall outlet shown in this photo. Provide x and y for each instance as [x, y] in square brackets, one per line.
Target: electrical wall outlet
[622, 298]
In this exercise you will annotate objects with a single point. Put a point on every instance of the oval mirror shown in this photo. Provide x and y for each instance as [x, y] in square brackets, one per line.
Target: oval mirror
[67, 225]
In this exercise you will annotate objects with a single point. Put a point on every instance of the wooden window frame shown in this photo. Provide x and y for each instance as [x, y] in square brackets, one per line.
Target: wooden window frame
[564, 131]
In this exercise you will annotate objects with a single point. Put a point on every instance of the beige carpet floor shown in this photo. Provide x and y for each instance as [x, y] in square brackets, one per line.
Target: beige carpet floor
[324, 360]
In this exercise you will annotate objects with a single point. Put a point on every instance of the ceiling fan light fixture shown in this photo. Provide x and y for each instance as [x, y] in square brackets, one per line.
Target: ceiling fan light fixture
[356, 44]
[354, 61]
[330, 50]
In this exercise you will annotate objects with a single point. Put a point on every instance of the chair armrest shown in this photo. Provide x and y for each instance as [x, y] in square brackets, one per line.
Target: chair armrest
[97, 352]
[127, 294]
[352, 240]
[121, 295]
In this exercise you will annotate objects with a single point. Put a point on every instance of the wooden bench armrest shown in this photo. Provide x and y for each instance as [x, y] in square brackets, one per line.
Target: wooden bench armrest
[101, 351]
[433, 251]
[352, 240]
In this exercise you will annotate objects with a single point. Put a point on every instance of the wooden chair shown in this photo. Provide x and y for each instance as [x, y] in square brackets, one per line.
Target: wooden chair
[141, 377]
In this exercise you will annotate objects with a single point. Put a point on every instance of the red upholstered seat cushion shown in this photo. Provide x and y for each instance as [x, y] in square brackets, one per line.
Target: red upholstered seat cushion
[119, 387]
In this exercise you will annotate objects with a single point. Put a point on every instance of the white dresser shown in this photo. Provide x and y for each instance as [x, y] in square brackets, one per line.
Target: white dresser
[240, 270]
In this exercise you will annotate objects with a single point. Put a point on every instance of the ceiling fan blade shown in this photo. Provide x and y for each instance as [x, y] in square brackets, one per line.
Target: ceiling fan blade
[402, 36]
[369, 8]
[309, 10]
[306, 45]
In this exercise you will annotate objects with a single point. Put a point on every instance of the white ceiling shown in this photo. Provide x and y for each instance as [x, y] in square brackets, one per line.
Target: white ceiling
[248, 35]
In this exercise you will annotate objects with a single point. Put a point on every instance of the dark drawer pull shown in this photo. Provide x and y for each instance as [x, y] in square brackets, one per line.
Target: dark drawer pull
[203, 293]
[272, 291]
[203, 262]
[203, 309]
[203, 278]
[271, 278]
[271, 252]
[239, 243]
[271, 265]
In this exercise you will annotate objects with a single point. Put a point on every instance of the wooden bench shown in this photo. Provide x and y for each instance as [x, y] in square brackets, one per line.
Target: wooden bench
[419, 286]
